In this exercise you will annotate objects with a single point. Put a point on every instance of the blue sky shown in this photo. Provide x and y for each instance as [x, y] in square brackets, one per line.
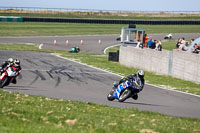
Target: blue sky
[131, 5]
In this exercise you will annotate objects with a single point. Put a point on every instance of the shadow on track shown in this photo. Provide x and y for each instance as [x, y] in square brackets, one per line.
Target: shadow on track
[143, 104]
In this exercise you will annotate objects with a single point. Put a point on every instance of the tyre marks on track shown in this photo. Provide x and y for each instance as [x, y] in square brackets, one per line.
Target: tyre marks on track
[31, 62]
[56, 75]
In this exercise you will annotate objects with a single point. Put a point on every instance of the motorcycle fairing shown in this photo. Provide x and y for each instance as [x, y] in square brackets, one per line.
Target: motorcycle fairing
[120, 88]
[10, 72]
[3, 75]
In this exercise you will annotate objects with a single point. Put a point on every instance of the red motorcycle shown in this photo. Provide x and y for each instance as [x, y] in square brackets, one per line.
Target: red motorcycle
[8, 76]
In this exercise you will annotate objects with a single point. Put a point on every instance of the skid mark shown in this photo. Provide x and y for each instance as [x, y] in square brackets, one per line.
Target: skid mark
[58, 80]
[46, 63]
[50, 75]
[31, 62]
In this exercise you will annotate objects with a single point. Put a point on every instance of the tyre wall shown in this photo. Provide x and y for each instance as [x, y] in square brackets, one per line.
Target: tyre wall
[183, 65]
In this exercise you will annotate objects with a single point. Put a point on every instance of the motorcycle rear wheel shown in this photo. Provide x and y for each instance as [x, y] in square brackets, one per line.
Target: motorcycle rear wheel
[125, 94]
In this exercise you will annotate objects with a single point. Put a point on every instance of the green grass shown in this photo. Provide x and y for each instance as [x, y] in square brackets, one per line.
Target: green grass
[21, 113]
[113, 49]
[62, 29]
[103, 63]
[34, 114]
[169, 44]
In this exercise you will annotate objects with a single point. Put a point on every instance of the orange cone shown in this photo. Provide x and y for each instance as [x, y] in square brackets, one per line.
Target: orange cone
[99, 42]
[81, 42]
[54, 42]
[67, 42]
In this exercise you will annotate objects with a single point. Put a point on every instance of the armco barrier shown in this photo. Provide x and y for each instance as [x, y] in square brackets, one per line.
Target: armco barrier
[103, 21]
[179, 64]
[10, 19]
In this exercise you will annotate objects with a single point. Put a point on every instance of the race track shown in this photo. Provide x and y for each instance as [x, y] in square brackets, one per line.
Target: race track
[47, 75]
[90, 42]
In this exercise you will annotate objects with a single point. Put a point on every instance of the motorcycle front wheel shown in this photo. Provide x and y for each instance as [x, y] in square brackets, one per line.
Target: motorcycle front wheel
[4, 82]
[125, 94]
[110, 96]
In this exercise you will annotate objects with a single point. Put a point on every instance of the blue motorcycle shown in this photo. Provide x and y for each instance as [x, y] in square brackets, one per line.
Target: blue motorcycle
[124, 91]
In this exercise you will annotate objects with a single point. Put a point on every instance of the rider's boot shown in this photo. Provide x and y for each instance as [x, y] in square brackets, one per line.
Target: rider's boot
[135, 96]
[14, 81]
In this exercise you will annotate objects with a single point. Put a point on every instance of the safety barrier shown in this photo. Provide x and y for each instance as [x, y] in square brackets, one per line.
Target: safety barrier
[179, 64]
[10, 19]
[103, 21]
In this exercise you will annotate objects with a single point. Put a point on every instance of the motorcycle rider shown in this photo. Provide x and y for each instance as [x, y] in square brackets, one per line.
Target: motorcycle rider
[9, 62]
[139, 81]
[16, 67]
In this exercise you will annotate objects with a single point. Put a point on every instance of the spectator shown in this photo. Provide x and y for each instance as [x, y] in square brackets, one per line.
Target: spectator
[178, 43]
[145, 40]
[139, 44]
[149, 43]
[158, 46]
[153, 46]
[183, 41]
[183, 47]
[196, 48]
[192, 40]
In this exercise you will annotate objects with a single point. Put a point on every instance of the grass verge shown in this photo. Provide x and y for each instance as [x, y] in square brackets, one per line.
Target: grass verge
[62, 29]
[21, 113]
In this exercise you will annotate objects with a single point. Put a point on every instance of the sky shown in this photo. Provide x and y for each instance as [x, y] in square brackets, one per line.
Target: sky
[127, 5]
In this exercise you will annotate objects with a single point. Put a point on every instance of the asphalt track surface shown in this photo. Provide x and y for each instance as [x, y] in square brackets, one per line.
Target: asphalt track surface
[47, 75]
[90, 42]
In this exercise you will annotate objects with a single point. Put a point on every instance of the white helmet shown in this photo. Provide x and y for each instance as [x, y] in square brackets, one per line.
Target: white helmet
[17, 62]
[140, 73]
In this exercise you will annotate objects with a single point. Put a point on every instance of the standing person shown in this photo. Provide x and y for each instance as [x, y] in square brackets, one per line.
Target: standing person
[145, 40]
